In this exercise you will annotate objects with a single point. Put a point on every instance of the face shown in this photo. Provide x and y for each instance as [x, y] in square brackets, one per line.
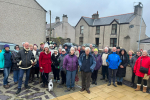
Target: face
[95, 52]
[105, 50]
[83, 47]
[144, 53]
[91, 45]
[55, 52]
[130, 52]
[7, 48]
[63, 52]
[65, 47]
[35, 48]
[93, 49]
[26, 45]
[138, 54]
[114, 49]
[46, 49]
[78, 48]
[54, 45]
[122, 52]
[51, 47]
[118, 50]
[17, 48]
[72, 51]
[59, 50]
[87, 52]
[42, 46]
[31, 47]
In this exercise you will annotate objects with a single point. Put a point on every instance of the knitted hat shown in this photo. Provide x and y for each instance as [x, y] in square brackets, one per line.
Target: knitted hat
[55, 50]
[46, 45]
[63, 50]
[95, 49]
[6, 45]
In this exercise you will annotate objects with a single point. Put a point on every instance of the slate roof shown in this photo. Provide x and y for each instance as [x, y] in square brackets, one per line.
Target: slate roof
[53, 25]
[147, 40]
[122, 19]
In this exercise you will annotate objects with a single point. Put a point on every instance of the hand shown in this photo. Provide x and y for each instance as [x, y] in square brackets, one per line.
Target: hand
[41, 67]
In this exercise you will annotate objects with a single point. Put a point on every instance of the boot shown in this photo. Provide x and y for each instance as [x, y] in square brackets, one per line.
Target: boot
[18, 91]
[144, 89]
[93, 82]
[138, 87]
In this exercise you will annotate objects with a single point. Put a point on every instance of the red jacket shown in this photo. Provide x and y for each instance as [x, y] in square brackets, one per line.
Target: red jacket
[45, 62]
[145, 63]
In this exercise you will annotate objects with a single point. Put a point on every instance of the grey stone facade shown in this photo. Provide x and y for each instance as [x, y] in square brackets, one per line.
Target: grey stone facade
[21, 21]
[127, 33]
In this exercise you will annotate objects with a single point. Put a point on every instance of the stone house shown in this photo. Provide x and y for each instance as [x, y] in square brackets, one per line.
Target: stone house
[61, 29]
[118, 30]
[22, 21]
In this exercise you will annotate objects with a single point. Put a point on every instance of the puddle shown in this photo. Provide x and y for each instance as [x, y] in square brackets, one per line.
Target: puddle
[4, 97]
[36, 89]
[33, 95]
[25, 92]
[47, 97]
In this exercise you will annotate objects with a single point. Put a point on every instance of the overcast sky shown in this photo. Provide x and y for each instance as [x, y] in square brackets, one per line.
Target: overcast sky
[77, 8]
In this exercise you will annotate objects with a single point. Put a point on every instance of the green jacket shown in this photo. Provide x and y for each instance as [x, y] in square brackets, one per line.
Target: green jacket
[2, 59]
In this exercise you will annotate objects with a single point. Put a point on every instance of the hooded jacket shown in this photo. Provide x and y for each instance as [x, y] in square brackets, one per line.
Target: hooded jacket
[98, 60]
[7, 59]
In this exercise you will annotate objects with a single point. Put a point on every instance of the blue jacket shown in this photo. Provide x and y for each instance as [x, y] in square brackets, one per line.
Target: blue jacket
[113, 60]
[92, 61]
[2, 59]
[8, 59]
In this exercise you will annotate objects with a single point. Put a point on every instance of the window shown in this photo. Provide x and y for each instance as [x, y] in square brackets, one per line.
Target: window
[81, 29]
[97, 41]
[97, 29]
[113, 42]
[80, 40]
[114, 29]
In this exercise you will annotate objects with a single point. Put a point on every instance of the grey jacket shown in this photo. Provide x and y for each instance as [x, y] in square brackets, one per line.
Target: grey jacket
[60, 60]
[133, 60]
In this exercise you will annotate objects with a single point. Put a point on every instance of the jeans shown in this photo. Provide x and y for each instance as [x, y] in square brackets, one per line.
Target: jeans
[94, 75]
[114, 75]
[119, 79]
[6, 74]
[105, 71]
[21, 73]
[140, 81]
[70, 76]
[86, 76]
[16, 75]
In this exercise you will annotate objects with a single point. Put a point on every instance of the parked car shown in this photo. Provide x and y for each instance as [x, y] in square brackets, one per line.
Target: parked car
[12, 45]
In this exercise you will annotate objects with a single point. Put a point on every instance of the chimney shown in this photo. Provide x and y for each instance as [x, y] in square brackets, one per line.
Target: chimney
[65, 18]
[95, 16]
[138, 9]
[57, 19]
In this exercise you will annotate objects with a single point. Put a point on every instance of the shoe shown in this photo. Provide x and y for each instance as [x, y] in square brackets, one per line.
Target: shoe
[68, 89]
[102, 79]
[144, 89]
[95, 83]
[115, 85]
[18, 91]
[73, 88]
[27, 87]
[58, 81]
[6, 86]
[106, 80]
[132, 85]
[138, 87]
[82, 89]
[43, 86]
[88, 91]
[15, 82]
[109, 84]
[121, 83]
[61, 83]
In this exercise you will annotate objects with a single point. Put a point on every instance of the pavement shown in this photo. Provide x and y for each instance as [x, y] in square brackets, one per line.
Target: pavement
[98, 92]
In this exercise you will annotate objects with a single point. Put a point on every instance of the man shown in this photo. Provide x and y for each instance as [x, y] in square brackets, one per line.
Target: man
[104, 64]
[66, 48]
[118, 50]
[25, 60]
[109, 50]
[7, 65]
[132, 63]
[82, 50]
[87, 64]
[91, 46]
[55, 45]
[113, 62]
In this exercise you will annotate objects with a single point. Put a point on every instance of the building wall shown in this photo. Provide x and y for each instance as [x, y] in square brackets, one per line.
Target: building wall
[21, 21]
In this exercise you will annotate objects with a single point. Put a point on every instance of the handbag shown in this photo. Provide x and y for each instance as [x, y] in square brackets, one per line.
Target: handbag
[143, 69]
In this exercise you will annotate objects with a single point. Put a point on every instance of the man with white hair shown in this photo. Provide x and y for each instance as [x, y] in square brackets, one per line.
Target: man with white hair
[104, 64]
[113, 61]
[25, 59]
[87, 64]
[91, 46]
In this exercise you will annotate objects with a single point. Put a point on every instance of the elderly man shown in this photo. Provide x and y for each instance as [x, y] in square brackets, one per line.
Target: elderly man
[113, 62]
[91, 46]
[25, 60]
[82, 50]
[87, 64]
[104, 64]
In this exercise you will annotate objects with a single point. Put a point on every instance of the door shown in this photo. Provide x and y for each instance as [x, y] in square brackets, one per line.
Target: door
[97, 41]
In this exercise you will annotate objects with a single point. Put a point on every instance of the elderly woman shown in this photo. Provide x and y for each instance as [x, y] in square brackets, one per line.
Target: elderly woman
[142, 62]
[97, 67]
[122, 67]
[71, 65]
[45, 64]
[76, 51]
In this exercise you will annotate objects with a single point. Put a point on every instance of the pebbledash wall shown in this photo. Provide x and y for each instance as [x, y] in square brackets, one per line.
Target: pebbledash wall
[22, 21]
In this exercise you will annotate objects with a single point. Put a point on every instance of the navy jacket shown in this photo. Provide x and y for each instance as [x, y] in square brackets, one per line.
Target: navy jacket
[8, 59]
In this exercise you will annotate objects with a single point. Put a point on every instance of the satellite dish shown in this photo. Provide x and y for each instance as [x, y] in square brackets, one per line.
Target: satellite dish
[131, 26]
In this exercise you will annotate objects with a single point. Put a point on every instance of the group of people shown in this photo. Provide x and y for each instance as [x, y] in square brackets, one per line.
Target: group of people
[67, 62]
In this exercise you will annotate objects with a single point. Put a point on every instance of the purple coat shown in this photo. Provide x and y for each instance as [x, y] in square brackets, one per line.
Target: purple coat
[70, 62]
[98, 60]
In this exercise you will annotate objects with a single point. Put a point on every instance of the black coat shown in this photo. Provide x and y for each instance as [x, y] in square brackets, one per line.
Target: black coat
[55, 62]
[14, 61]
[122, 71]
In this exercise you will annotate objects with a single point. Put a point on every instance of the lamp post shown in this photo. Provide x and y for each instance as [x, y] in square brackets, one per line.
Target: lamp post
[50, 26]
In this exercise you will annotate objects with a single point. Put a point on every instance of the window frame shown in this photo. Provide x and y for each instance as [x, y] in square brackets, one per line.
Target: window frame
[113, 29]
[81, 30]
[98, 29]
[113, 44]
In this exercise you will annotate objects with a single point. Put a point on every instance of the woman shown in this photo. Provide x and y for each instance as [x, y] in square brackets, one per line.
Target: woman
[71, 65]
[122, 68]
[130, 55]
[79, 48]
[59, 50]
[76, 51]
[143, 61]
[55, 66]
[97, 67]
[45, 64]
[15, 68]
